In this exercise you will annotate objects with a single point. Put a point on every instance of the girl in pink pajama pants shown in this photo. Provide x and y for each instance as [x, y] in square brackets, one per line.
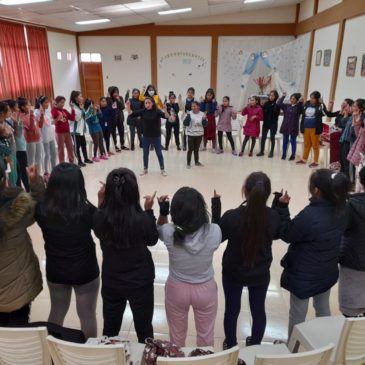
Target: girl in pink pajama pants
[191, 242]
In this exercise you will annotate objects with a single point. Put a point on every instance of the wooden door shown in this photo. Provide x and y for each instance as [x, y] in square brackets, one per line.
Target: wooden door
[92, 80]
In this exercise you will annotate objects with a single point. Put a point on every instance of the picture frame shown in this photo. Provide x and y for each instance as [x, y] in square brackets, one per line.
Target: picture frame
[351, 66]
[327, 57]
[318, 57]
[363, 65]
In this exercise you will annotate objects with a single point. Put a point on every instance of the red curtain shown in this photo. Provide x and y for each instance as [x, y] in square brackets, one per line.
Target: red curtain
[16, 76]
[24, 71]
[39, 61]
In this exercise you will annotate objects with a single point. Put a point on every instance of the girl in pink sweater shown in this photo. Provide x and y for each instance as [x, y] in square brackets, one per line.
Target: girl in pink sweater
[252, 127]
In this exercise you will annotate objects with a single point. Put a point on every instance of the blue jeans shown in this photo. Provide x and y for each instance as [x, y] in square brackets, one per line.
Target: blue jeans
[156, 142]
[256, 297]
[293, 142]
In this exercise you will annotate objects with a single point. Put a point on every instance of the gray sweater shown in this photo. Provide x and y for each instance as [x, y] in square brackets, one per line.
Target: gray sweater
[191, 262]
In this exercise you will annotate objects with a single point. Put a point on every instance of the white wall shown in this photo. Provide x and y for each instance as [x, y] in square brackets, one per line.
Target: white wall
[353, 45]
[125, 74]
[321, 76]
[65, 74]
[183, 62]
[271, 15]
[306, 9]
[326, 4]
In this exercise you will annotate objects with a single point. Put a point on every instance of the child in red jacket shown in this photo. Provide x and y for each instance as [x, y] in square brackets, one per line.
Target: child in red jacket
[252, 127]
[61, 117]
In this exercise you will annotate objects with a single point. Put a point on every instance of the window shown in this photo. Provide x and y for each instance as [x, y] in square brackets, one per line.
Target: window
[59, 55]
[90, 57]
[69, 56]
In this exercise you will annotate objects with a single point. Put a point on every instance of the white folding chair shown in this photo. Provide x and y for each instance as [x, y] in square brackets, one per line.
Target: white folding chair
[347, 334]
[24, 346]
[274, 357]
[228, 357]
[68, 353]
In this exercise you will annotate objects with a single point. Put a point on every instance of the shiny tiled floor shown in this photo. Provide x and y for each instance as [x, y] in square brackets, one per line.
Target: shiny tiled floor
[225, 173]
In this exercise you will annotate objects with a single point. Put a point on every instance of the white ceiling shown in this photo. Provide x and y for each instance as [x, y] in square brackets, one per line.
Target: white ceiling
[64, 13]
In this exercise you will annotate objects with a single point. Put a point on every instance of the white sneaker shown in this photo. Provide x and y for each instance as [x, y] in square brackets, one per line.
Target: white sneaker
[143, 173]
[163, 173]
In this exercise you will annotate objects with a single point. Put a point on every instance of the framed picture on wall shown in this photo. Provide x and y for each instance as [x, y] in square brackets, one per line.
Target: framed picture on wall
[363, 65]
[318, 58]
[351, 66]
[327, 57]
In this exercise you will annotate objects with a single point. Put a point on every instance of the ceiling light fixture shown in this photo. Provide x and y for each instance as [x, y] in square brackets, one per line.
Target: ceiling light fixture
[174, 11]
[144, 5]
[95, 21]
[253, 1]
[21, 2]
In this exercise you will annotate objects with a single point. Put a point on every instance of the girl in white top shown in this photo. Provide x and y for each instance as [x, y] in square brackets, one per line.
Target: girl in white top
[194, 122]
[42, 111]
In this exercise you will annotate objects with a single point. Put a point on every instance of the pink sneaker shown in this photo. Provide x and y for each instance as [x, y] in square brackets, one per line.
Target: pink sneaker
[96, 159]
[104, 157]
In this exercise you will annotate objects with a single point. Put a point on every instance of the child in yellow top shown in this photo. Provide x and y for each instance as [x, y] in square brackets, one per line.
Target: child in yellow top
[151, 92]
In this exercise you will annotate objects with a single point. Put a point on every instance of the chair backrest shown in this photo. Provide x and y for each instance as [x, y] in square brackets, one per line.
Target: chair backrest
[68, 353]
[236, 125]
[228, 357]
[316, 357]
[351, 347]
[24, 346]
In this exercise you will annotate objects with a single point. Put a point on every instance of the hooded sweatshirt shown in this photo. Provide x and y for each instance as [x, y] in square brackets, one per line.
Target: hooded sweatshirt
[191, 262]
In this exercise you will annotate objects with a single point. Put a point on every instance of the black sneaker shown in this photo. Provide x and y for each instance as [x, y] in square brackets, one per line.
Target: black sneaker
[178, 148]
[248, 341]
[88, 161]
[260, 154]
[283, 157]
[184, 148]
[124, 148]
[292, 158]
[224, 345]
[81, 164]
[117, 149]
[271, 155]
[132, 147]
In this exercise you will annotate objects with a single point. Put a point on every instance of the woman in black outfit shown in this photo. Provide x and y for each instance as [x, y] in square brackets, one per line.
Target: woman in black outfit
[128, 272]
[173, 123]
[65, 218]
[135, 124]
[271, 115]
[250, 230]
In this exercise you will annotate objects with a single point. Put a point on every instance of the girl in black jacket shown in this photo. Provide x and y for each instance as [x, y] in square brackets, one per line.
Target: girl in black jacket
[271, 115]
[311, 263]
[135, 123]
[352, 260]
[250, 230]
[173, 123]
[128, 272]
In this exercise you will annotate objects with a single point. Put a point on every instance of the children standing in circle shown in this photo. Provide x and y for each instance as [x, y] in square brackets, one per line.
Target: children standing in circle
[32, 132]
[61, 117]
[191, 242]
[226, 113]
[250, 230]
[194, 123]
[125, 232]
[173, 123]
[312, 127]
[314, 237]
[290, 126]
[105, 121]
[251, 130]
[43, 117]
[92, 115]
[135, 124]
[271, 115]
[78, 127]
[186, 106]
[151, 122]
[209, 107]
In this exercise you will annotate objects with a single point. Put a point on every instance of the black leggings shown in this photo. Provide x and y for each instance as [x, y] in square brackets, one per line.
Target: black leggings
[193, 146]
[253, 142]
[169, 127]
[257, 297]
[119, 124]
[135, 128]
[220, 139]
[273, 128]
[80, 142]
[98, 143]
[22, 163]
[141, 301]
[106, 135]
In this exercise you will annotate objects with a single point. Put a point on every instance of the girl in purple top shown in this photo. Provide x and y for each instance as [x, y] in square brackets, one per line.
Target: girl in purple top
[225, 113]
[290, 126]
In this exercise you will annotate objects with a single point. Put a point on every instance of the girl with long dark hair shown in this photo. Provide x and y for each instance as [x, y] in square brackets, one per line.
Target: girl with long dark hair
[191, 242]
[209, 106]
[314, 235]
[250, 230]
[128, 272]
[135, 124]
[65, 217]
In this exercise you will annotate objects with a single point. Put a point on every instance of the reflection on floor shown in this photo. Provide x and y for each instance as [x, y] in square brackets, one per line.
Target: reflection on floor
[225, 173]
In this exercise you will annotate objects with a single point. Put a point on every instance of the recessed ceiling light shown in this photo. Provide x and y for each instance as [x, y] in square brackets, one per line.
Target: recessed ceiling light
[253, 1]
[143, 5]
[21, 2]
[174, 11]
[95, 21]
